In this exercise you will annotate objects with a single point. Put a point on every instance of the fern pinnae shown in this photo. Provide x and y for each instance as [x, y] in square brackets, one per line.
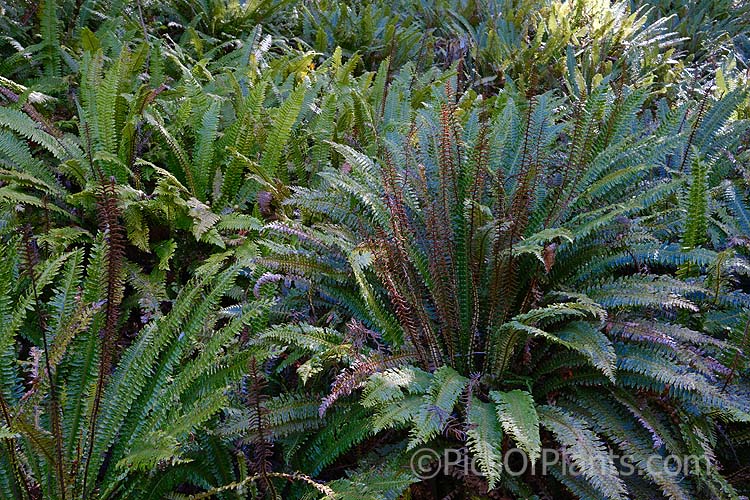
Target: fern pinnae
[61, 148]
[578, 124]
[609, 420]
[744, 345]
[284, 121]
[518, 417]
[179, 152]
[49, 24]
[132, 375]
[594, 107]
[109, 213]
[355, 376]
[693, 129]
[107, 94]
[438, 403]
[586, 450]
[503, 283]
[18, 472]
[31, 258]
[484, 439]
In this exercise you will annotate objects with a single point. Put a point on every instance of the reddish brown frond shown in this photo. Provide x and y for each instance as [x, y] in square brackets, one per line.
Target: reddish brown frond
[357, 374]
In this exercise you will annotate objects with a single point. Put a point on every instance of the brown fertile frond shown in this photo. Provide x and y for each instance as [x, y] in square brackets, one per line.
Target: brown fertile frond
[503, 283]
[357, 374]
[442, 240]
[442, 287]
[108, 215]
[394, 200]
[396, 269]
[448, 177]
[262, 452]
[394, 273]
[694, 128]
[475, 258]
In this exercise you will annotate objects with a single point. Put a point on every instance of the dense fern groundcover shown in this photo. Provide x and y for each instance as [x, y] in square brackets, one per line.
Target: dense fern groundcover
[445, 249]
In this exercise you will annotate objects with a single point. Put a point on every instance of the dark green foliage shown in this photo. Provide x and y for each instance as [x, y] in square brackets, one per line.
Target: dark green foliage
[272, 248]
[470, 258]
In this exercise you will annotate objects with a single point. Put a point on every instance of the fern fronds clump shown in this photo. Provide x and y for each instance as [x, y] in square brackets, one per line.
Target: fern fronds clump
[478, 245]
[282, 249]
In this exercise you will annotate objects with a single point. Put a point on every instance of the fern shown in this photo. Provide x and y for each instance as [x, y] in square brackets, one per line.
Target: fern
[463, 258]
[49, 26]
[585, 449]
[484, 438]
[696, 225]
[519, 419]
[246, 247]
[282, 128]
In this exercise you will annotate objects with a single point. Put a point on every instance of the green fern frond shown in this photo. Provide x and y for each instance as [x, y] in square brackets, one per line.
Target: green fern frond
[587, 451]
[49, 17]
[283, 122]
[437, 405]
[517, 413]
[484, 439]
